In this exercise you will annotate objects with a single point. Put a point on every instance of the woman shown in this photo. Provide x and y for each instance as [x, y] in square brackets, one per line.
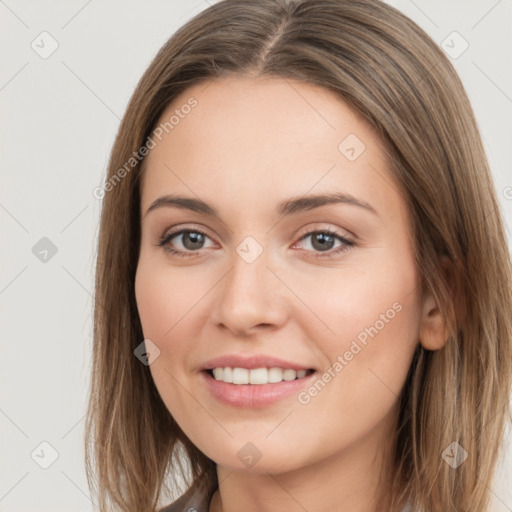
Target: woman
[303, 286]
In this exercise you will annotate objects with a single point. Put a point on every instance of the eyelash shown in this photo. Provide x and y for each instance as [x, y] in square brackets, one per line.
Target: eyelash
[347, 243]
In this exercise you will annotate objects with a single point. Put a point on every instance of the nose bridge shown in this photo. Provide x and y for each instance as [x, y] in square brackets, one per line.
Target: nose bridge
[249, 277]
[248, 295]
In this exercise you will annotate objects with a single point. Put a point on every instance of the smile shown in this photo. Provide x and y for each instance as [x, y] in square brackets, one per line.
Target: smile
[258, 376]
[254, 388]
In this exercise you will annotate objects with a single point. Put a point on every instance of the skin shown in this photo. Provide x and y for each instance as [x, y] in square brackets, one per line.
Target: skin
[247, 145]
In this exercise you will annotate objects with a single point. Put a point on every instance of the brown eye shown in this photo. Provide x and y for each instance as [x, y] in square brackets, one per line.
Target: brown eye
[191, 241]
[323, 241]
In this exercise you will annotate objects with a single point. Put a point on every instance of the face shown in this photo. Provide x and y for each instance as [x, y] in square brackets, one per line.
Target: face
[264, 277]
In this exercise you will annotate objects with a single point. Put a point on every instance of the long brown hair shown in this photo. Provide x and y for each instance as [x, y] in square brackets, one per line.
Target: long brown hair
[383, 65]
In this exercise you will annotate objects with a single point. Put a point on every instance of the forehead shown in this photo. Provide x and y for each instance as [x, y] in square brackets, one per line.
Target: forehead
[266, 138]
[299, 112]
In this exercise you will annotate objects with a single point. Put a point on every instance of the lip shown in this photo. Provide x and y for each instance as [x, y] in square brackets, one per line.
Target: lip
[252, 362]
[254, 396]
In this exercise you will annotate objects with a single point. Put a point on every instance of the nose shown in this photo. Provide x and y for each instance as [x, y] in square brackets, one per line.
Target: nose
[250, 297]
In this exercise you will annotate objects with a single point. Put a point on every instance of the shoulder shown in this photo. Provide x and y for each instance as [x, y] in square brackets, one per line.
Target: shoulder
[194, 500]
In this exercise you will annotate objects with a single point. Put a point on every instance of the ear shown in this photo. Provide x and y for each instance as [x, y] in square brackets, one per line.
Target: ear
[434, 332]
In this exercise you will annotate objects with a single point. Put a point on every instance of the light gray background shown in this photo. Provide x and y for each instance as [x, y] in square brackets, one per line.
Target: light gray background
[59, 119]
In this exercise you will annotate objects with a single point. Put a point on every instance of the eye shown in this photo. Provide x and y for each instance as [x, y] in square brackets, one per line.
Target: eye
[324, 240]
[192, 241]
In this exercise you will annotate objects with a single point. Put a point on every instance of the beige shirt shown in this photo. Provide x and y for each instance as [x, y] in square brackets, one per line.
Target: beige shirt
[199, 501]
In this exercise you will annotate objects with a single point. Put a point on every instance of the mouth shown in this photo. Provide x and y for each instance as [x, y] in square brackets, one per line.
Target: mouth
[255, 388]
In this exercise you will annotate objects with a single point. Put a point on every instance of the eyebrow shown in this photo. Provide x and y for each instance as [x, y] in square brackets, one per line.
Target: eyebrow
[291, 206]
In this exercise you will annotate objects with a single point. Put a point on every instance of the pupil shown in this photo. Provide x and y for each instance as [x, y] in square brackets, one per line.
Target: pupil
[197, 240]
[323, 240]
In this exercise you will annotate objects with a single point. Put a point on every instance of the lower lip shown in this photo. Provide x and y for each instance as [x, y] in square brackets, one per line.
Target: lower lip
[253, 396]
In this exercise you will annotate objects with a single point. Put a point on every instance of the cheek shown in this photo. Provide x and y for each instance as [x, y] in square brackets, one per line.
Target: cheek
[169, 303]
[165, 307]
[368, 332]
[151, 295]
[379, 301]
[165, 301]
[375, 318]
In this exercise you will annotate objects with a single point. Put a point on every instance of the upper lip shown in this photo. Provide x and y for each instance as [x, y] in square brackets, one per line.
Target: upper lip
[251, 362]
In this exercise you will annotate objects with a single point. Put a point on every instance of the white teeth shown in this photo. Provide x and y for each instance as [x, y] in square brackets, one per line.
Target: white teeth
[289, 374]
[240, 376]
[275, 375]
[227, 375]
[256, 375]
